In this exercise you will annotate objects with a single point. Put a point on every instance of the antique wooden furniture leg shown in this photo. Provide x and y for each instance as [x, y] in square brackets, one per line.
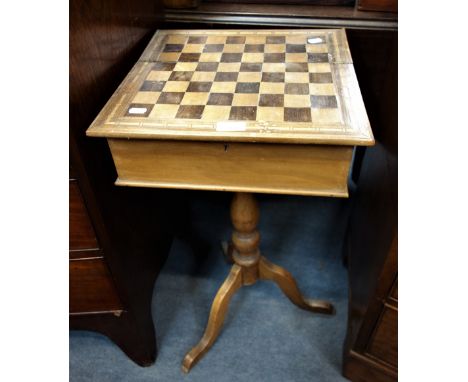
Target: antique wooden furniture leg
[248, 268]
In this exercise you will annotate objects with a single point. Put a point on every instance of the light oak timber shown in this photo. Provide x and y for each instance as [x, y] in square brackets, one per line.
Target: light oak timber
[265, 168]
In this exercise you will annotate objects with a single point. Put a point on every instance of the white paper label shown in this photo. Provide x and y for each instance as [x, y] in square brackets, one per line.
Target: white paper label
[314, 40]
[230, 126]
[137, 110]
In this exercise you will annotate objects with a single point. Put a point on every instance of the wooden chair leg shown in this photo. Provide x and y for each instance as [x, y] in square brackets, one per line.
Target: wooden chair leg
[270, 271]
[218, 311]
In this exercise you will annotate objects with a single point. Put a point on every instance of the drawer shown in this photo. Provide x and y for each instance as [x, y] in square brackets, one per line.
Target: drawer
[384, 341]
[91, 287]
[245, 167]
[81, 232]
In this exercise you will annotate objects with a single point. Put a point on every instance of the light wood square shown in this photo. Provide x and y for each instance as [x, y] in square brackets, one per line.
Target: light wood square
[270, 114]
[296, 39]
[325, 116]
[319, 67]
[176, 39]
[296, 57]
[185, 66]
[155, 75]
[203, 76]
[229, 67]
[271, 88]
[293, 100]
[216, 113]
[169, 57]
[233, 48]
[195, 98]
[164, 111]
[210, 57]
[146, 97]
[275, 48]
[317, 48]
[176, 86]
[193, 48]
[274, 67]
[298, 78]
[223, 87]
[321, 89]
[249, 77]
[252, 57]
[216, 40]
[245, 99]
[255, 39]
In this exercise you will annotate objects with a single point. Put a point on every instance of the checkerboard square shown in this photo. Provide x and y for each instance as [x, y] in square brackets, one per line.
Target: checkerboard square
[317, 57]
[193, 48]
[270, 114]
[152, 86]
[255, 39]
[274, 57]
[195, 99]
[297, 114]
[296, 39]
[173, 48]
[176, 39]
[164, 111]
[295, 48]
[146, 97]
[180, 76]
[326, 116]
[164, 66]
[231, 57]
[319, 67]
[176, 86]
[158, 76]
[275, 40]
[185, 66]
[319, 101]
[229, 67]
[170, 98]
[189, 57]
[249, 77]
[198, 86]
[224, 99]
[210, 57]
[216, 40]
[211, 48]
[272, 77]
[243, 113]
[207, 67]
[235, 40]
[317, 48]
[233, 48]
[226, 76]
[247, 87]
[216, 113]
[139, 110]
[244, 99]
[293, 88]
[275, 48]
[294, 77]
[295, 100]
[272, 87]
[274, 67]
[196, 40]
[252, 57]
[296, 57]
[169, 57]
[322, 89]
[271, 100]
[223, 87]
[251, 67]
[190, 111]
[203, 76]
[254, 48]
[320, 78]
[297, 67]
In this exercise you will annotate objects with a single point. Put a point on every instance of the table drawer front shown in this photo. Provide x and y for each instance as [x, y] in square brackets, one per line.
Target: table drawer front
[81, 232]
[249, 167]
[384, 342]
[91, 287]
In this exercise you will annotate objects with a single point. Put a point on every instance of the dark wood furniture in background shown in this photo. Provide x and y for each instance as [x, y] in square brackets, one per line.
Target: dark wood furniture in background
[119, 238]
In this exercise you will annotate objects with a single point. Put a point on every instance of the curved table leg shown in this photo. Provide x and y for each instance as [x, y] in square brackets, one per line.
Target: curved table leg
[273, 272]
[218, 311]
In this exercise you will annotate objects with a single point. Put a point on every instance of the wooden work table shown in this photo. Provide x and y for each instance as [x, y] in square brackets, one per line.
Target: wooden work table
[248, 111]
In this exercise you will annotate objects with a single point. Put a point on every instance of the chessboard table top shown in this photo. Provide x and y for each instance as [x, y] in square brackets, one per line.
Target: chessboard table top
[282, 86]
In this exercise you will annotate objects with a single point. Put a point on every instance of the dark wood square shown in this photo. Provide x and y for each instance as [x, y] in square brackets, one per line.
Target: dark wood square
[220, 99]
[320, 78]
[231, 57]
[198, 86]
[296, 89]
[275, 40]
[189, 57]
[297, 114]
[196, 40]
[254, 48]
[274, 57]
[173, 48]
[226, 76]
[247, 87]
[164, 66]
[295, 48]
[152, 86]
[173, 98]
[243, 113]
[207, 67]
[190, 111]
[272, 77]
[317, 57]
[180, 76]
[251, 67]
[213, 48]
[271, 100]
[323, 102]
[297, 67]
[235, 40]
[147, 106]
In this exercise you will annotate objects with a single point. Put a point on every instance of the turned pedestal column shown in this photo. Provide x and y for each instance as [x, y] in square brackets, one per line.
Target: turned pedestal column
[249, 266]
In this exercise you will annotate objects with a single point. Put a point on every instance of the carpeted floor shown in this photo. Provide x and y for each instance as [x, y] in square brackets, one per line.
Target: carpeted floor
[265, 337]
